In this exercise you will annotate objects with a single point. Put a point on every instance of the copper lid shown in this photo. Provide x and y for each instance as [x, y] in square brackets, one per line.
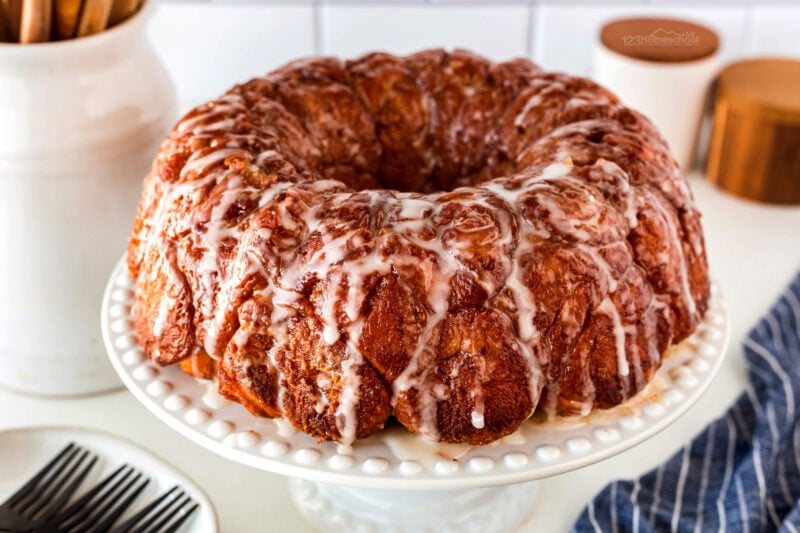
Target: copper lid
[755, 140]
[661, 40]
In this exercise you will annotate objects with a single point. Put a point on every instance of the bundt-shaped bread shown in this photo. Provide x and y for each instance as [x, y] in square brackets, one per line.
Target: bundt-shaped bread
[439, 238]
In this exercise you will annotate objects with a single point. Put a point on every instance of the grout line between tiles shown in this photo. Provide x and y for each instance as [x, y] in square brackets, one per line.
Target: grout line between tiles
[749, 31]
[689, 4]
[537, 44]
[534, 12]
[318, 29]
[437, 3]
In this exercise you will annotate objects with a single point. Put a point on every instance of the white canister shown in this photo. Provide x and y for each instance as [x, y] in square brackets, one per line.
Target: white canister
[662, 68]
[80, 121]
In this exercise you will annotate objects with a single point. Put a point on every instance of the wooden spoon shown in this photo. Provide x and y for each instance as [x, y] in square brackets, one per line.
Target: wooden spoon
[36, 20]
[66, 18]
[121, 10]
[94, 17]
[12, 14]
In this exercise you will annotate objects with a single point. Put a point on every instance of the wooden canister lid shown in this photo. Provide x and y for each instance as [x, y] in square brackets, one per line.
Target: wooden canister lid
[766, 86]
[755, 140]
[661, 40]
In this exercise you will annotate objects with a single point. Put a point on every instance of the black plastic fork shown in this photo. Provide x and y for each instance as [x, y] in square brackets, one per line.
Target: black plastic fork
[98, 510]
[47, 491]
[164, 515]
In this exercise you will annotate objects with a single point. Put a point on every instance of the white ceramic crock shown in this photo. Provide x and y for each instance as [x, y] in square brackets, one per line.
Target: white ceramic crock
[80, 121]
[672, 95]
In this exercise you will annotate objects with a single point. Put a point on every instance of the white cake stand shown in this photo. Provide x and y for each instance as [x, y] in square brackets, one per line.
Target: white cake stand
[393, 481]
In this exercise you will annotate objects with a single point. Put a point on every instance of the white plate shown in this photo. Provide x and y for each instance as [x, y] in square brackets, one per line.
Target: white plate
[23, 451]
[394, 458]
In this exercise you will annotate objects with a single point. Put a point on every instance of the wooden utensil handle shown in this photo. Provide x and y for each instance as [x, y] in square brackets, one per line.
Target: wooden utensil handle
[12, 13]
[121, 10]
[94, 17]
[66, 14]
[5, 32]
[36, 20]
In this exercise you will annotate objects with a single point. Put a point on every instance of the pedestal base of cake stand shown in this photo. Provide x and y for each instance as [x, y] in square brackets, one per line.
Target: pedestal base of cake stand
[480, 510]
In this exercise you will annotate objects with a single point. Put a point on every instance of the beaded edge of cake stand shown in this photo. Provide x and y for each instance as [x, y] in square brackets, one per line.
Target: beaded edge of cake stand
[186, 404]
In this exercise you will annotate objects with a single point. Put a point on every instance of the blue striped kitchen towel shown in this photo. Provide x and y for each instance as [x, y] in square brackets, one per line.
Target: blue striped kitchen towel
[742, 473]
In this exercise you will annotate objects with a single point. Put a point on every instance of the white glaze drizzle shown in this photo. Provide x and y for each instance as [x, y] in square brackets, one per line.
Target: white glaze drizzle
[608, 307]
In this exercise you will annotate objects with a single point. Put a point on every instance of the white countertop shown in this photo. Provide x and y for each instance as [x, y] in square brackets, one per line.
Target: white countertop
[754, 251]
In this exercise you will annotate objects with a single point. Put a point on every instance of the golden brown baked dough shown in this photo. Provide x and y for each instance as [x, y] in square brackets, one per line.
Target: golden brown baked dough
[450, 241]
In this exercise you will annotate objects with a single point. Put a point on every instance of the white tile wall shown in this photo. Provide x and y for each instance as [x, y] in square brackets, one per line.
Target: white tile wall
[776, 30]
[207, 48]
[208, 45]
[495, 31]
